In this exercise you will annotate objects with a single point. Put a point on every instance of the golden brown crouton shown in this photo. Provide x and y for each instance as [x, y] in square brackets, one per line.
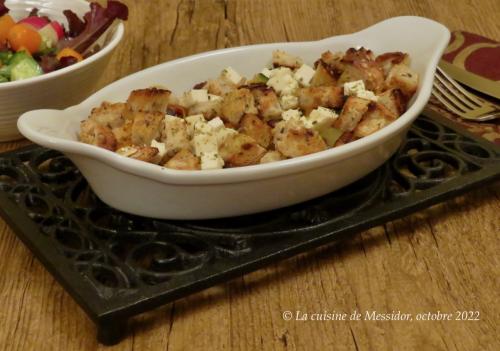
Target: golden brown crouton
[402, 77]
[175, 135]
[293, 139]
[324, 75]
[219, 86]
[184, 160]
[146, 126]
[256, 128]
[109, 115]
[272, 156]
[361, 54]
[146, 154]
[376, 118]
[240, 150]
[236, 104]
[177, 110]
[332, 59]
[394, 100]
[360, 65]
[123, 134]
[326, 96]
[345, 138]
[283, 59]
[389, 59]
[267, 101]
[352, 112]
[149, 100]
[96, 134]
[210, 109]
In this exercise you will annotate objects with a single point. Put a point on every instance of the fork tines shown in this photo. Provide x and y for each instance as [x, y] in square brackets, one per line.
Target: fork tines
[457, 99]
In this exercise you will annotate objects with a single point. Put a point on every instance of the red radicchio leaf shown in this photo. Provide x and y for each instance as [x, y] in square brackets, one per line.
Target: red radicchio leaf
[75, 24]
[34, 12]
[67, 61]
[96, 22]
[3, 8]
[49, 63]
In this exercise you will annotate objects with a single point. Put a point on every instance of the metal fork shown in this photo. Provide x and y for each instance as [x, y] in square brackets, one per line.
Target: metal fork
[461, 102]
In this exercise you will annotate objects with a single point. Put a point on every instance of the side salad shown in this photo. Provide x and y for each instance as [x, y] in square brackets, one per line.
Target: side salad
[35, 45]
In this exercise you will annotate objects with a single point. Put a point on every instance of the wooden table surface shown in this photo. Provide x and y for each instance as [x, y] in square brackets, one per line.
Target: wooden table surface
[442, 259]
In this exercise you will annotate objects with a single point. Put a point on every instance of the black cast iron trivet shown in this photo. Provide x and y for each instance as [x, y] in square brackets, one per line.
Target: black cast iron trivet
[117, 265]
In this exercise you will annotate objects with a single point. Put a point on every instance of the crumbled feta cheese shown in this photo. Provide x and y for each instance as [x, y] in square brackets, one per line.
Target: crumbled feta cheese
[191, 120]
[194, 96]
[357, 88]
[266, 72]
[126, 151]
[202, 127]
[223, 134]
[304, 75]
[211, 161]
[272, 156]
[288, 102]
[212, 97]
[291, 114]
[170, 118]
[162, 149]
[321, 117]
[216, 123]
[206, 145]
[368, 95]
[282, 81]
[231, 75]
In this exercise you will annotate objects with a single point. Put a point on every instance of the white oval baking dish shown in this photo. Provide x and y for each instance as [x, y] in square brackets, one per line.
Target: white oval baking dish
[150, 190]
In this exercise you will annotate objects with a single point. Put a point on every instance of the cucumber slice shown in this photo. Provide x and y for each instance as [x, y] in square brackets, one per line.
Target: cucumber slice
[5, 72]
[5, 57]
[261, 78]
[26, 68]
[330, 135]
[18, 57]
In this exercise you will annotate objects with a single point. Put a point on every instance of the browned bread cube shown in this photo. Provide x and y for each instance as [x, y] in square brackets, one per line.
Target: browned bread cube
[149, 100]
[184, 160]
[292, 139]
[146, 154]
[123, 134]
[389, 59]
[283, 59]
[376, 118]
[359, 64]
[220, 86]
[267, 101]
[352, 112]
[235, 104]
[109, 115]
[394, 100]
[175, 135]
[272, 156]
[326, 96]
[324, 75]
[240, 150]
[96, 134]
[146, 126]
[402, 77]
[256, 128]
